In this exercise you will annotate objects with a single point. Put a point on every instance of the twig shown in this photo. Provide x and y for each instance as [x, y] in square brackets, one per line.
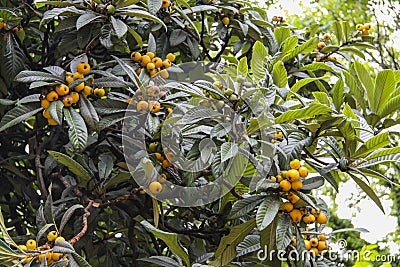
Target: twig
[226, 42]
[314, 158]
[85, 216]
[121, 198]
[39, 171]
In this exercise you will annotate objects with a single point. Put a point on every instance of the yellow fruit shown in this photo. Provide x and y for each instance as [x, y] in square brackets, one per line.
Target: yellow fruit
[365, 32]
[166, 63]
[287, 206]
[225, 21]
[67, 101]
[154, 106]
[293, 198]
[142, 192]
[62, 89]
[360, 27]
[159, 157]
[69, 79]
[145, 60]
[56, 256]
[142, 106]
[303, 171]
[273, 179]
[49, 256]
[318, 59]
[152, 72]
[3, 25]
[322, 237]
[45, 103]
[285, 185]
[138, 70]
[87, 90]
[294, 241]
[155, 188]
[78, 75]
[162, 178]
[297, 185]
[295, 215]
[52, 122]
[164, 74]
[150, 55]
[292, 175]
[314, 252]
[157, 62]
[165, 3]
[68, 74]
[166, 163]
[307, 244]
[99, 92]
[80, 87]
[168, 111]
[60, 238]
[22, 247]
[322, 218]
[170, 57]
[327, 37]
[41, 257]
[150, 66]
[46, 114]
[367, 26]
[28, 259]
[136, 56]
[30, 244]
[279, 178]
[75, 97]
[52, 96]
[18, 29]
[83, 67]
[322, 245]
[311, 218]
[321, 45]
[295, 164]
[314, 242]
[52, 235]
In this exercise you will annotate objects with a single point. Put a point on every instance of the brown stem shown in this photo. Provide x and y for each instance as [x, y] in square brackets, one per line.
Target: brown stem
[39, 171]
[121, 198]
[76, 238]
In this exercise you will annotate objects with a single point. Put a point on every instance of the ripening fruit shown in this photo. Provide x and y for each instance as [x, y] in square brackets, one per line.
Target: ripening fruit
[99, 92]
[295, 215]
[165, 3]
[80, 87]
[365, 32]
[56, 256]
[83, 67]
[314, 252]
[292, 175]
[75, 97]
[158, 156]
[367, 26]
[78, 75]
[285, 185]
[166, 63]
[46, 114]
[322, 245]
[3, 25]
[22, 247]
[87, 90]
[309, 219]
[136, 56]
[225, 21]
[45, 103]
[273, 179]
[360, 27]
[62, 89]
[314, 242]
[322, 237]
[138, 70]
[60, 238]
[287, 206]
[150, 66]
[303, 171]
[295, 164]
[153, 91]
[294, 241]
[150, 55]
[157, 62]
[142, 106]
[307, 244]
[321, 45]
[30, 244]
[322, 218]
[145, 60]
[162, 178]
[152, 72]
[52, 122]
[279, 178]
[69, 79]
[28, 259]
[293, 198]
[297, 185]
[41, 257]
[154, 106]
[52, 235]
[327, 37]
[155, 188]
[166, 163]
[67, 101]
[164, 74]
[52, 96]
[170, 57]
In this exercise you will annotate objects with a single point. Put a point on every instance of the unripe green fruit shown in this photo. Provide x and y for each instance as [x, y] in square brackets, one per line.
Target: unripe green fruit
[111, 9]
[233, 98]
[228, 92]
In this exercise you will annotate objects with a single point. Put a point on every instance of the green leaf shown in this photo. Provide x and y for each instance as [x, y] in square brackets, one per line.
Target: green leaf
[4, 232]
[85, 19]
[284, 232]
[385, 84]
[313, 183]
[153, 6]
[379, 141]
[226, 250]
[267, 211]
[279, 74]
[19, 114]
[244, 206]
[337, 29]
[110, 106]
[42, 231]
[13, 58]
[228, 150]
[355, 90]
[28, 76]
[383, 152]
[305, 48]
[303, 113]
[119, 26]
[368, 190]
[56, 111]
[242, 67]
[67, 215]
[82, 175]
[77, 131]
[318, 66]
[281, 34]
[346, 30]
[390, 106]
[88, 113]
[161, 261]
[142, 14]
[289, 44]
[352, 50]
[79, 260]
[251, 243]
[177, 37]
[258, 60]
[136, 36]
[170, 239]
[365, 77]
[394, 158]
[338, 94]
[303, 82]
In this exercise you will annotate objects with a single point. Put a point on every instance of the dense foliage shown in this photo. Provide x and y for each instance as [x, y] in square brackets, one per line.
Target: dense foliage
[114, 113]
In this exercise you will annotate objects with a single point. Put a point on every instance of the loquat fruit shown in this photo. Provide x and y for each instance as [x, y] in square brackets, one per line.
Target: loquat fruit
[150, 66]
[152, 72]
[327, 37]
[303, 171]
[365, 32]
[293, 198]
[83, 67]
[99, 92]
[273, 179]
[295, 215]
[46, 114]
[166, 63]
[292, 175]
[279, 178]
[138, 70]
[30, 244]
[322, 245]
[45, 103]
[41, 257]
[155, 188]
[52, 235]
[75, 97]
[285, 185]
[314, 252]
[164, 74]
[225, 21]
[359, 27]
[52, 96]
[166, 163]
[78, 75]
[297, 185]
[142, 106]
[52, 122]
[170, 57]
[145, 60]
[60, 238]
[321, 45]
[307, 244]
[295, 164]
[367, 26]
[154, 106]
[158, 156]
[162, 178]
[136, 56]
[87, 90]
[322, 218]
[287, 206]
[165, 3]
[294, 241]
[322, 237]
[22, 247]
[157, 62]
[69, 79]
[80, 87]
[67, 101]
[151, 55]
[153, 91]
[56, 256]
[314, 242]
[62, 89]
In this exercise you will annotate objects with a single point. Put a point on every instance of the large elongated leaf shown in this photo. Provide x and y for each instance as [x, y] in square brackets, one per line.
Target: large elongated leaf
[304, 113]
[109, 106]
[244, 206]
[279, 74]
[153, 6]
[81, 173]
[393, 158]
[384, 152]
[281, 34]
[28, 76]
[305, 48]
[161, 261]
[77, 132]
[338, 94]
[18, 114]
[226, 250]
[365, 77]
[56, 111]
[67, 215]
[170, 239]
[250, 244]
[368, 190]
[391, 106]
[4, 232]
[258, 60]
[143, 14]
[13, 58]
[119, 26]
[384, 86]
[284, 232]
[267, 211]
[379, 141]
[85, 19]
[298, 85]
[88, 113]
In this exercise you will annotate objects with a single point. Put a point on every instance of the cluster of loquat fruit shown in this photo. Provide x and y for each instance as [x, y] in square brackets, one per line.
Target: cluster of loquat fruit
[277, 137]
[68, 96]
[45, 251]
[363, 29]
[147, 100]
[315, 244]
[153, 64]
[278, 19]
[320, 46]
[3, 27]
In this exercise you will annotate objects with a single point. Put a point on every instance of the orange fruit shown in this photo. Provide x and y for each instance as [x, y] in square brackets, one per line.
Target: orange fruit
[142, 106]
[52, 96]
[75, 97]
[166, 63]
[292, 175]
[67, 101]
[293, 198]
[295, 164]
[99, 92]
[295, 215]
[297, 185]
[78, 75]
[165, 3]
[80, 87]
[287, 206]
[136, 56]
[285, 185]
[155, 188]
[45, 103]
[170, 57]
[303, 171]
[62, 89]
[322, 218]
[83, 67]
[87, 90]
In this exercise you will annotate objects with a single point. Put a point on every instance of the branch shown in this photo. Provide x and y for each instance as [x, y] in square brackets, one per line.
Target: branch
[76, 238]
[121, 198]
[39, 171]
[203, 45]
[226, 42]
